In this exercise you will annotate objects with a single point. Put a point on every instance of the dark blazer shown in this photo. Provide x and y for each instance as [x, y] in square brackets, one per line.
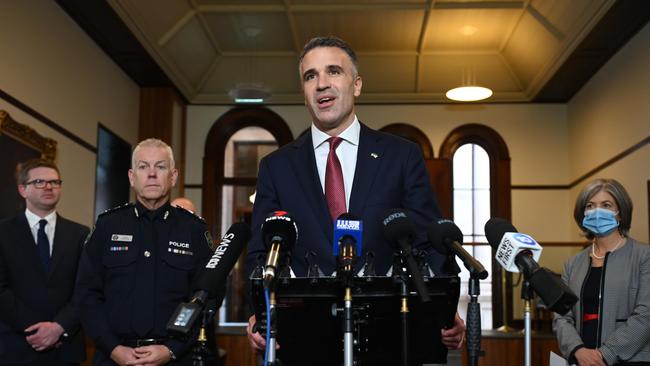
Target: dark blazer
[28, 295]
[390, 173]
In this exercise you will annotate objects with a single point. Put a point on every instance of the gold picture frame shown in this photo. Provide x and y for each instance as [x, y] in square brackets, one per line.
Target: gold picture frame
[18, 143]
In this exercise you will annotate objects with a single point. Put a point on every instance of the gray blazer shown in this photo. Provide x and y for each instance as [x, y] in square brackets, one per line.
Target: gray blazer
[624, 324]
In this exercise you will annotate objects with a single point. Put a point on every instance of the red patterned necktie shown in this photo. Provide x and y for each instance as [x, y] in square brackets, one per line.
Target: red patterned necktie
[334, 187]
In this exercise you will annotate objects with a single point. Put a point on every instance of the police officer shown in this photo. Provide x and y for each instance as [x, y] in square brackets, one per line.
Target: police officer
[138, 265]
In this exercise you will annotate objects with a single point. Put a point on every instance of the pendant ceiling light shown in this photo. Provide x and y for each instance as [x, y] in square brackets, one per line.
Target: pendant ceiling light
[470, 93]
[469, 90]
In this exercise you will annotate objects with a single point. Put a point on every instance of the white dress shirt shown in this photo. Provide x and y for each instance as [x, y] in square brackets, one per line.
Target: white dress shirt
[346, 152]
[33, 219]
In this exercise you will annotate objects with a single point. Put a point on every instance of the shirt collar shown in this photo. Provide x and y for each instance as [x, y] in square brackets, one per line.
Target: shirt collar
[161, 212]
[351, 134]
[33, 219]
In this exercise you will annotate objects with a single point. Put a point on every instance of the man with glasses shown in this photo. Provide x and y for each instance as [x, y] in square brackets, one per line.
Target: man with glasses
[39, 253]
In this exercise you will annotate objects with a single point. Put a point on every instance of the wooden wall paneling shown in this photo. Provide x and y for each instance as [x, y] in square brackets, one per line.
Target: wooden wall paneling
[239, 350]
[156, 113]
[441, 175]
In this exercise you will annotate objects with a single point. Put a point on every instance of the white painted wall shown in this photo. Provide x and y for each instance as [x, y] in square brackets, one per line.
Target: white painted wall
[610, 114]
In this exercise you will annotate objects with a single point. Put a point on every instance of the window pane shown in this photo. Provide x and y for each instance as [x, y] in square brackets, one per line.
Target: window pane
[481, 210]
[244, 151]
[481, 168]
[463, 210]
[462, 163]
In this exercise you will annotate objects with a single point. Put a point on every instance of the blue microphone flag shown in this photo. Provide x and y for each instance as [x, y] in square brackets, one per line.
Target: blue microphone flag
[347, 225]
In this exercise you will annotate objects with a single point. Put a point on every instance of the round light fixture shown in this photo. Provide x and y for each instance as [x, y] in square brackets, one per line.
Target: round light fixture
[469, 93]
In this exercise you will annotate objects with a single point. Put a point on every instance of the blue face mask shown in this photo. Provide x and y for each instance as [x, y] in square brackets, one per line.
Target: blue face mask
[600, 221]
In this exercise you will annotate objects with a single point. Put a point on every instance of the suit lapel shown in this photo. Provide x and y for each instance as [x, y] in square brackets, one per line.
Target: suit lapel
[304, 166]
[369, 156]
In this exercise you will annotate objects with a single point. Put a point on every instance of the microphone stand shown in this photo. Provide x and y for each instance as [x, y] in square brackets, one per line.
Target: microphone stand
[527, 295]
[201, 355]
[270, 347]
[473, 320]
[404, 308]
[346, 259]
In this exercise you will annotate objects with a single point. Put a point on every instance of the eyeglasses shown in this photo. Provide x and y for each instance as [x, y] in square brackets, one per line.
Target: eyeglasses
[42, 183]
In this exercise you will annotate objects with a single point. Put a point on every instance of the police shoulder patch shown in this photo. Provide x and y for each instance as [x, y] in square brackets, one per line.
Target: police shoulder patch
[115, 209]
[190, 214]
[208, 238]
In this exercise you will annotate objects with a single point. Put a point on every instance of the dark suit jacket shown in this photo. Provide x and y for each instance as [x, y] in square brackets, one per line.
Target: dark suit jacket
[28, 295]
[390, 173]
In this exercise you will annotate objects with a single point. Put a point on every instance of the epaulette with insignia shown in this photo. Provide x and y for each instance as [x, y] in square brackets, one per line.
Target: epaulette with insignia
[118, 208]
[188, 212]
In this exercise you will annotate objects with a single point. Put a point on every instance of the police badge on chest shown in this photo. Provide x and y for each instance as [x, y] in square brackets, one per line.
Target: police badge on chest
[178, 247]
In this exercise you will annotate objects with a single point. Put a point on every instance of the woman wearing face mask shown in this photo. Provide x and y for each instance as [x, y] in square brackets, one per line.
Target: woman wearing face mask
[610, 324]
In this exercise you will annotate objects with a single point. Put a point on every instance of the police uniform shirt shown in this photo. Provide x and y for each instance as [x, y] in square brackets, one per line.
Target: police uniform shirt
[137, 266]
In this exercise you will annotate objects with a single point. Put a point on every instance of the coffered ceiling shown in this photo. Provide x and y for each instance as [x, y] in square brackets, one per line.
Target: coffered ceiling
[410, 51]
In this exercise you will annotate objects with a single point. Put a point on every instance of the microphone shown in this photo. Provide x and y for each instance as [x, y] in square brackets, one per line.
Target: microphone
[514, 251]
[522, 250]
[399, 230]
[446, 239]
[279, 233]
[346, 246]
[211, 279]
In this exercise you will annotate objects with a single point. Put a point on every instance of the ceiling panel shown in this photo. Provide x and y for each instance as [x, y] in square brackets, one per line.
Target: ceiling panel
[469, 29]
[531, 48]
[375, 30]
[248, 32]
[565, 15]
[443, 72]
[191, 52]
[158, 22]
[278, 74]
[387, 74]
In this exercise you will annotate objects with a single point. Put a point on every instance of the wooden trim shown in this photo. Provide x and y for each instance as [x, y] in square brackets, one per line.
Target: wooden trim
[413, 134]
[46, 121]
[616, 158]
[540, 187]
[213, 157]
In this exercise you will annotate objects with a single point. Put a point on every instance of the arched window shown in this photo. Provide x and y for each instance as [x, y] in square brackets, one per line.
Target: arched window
[236, 143]
[471, 186]
[481, 189]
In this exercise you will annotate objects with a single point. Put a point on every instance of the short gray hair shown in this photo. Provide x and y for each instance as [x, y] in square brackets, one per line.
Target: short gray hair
[622, 198]
[153, 142]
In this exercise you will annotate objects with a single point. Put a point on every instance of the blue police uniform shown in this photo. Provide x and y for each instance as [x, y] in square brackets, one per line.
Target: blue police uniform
[136, 267]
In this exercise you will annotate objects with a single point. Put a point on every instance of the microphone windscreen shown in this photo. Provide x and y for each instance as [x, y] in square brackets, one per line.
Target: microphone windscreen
[495, 228]
[279, 224]
[398, 227]
[441, 233]
[215, 272]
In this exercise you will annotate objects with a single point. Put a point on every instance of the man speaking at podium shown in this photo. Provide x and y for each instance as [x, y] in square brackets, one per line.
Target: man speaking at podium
[341, 166]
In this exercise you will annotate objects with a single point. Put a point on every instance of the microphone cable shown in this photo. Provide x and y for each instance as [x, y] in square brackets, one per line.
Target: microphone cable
[268, 324]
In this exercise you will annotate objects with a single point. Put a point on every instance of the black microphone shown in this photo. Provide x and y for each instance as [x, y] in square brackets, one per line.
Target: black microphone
[503, 237]
[446, 239]
[399, 230]
[279, 233]
[211, 279]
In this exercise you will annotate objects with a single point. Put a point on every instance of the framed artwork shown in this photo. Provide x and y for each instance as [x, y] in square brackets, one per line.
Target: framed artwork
[18, 143]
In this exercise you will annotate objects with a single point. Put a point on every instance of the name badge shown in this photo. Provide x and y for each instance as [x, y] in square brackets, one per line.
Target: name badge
[120, 237]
